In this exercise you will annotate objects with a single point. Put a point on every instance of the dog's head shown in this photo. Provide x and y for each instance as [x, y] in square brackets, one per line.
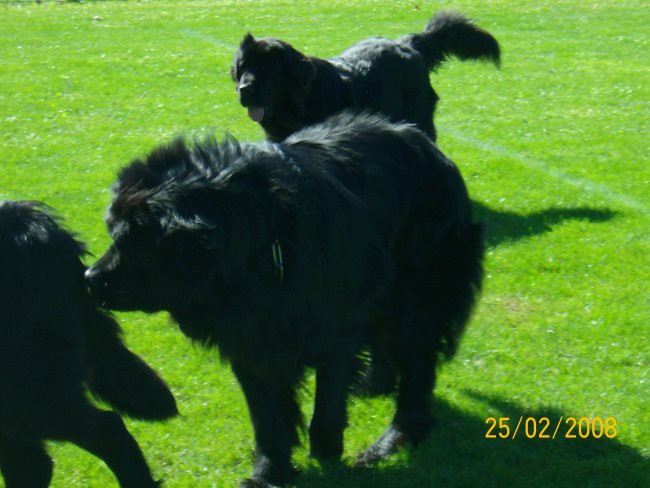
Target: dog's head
[176, 222]
[158, 260]
[157, 257]
[272, 77]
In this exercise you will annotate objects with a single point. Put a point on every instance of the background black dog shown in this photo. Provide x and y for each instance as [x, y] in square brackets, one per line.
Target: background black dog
[281, 255]
[52, 341]
[284, 90]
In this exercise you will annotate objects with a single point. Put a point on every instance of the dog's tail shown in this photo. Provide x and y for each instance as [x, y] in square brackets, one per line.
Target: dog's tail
[451, 33]
[461, 273]
[122, 379]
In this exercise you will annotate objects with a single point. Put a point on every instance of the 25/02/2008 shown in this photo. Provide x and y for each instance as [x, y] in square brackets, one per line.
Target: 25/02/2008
[541, 428]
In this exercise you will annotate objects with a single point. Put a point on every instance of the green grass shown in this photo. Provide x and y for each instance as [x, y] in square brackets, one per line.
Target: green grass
[554, 149]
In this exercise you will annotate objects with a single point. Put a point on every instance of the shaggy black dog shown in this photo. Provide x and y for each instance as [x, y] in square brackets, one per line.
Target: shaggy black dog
[295, 255]
[284, 90]
[53, 343]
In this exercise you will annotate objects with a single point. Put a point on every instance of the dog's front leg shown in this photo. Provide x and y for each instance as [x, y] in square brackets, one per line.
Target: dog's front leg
[275, 415]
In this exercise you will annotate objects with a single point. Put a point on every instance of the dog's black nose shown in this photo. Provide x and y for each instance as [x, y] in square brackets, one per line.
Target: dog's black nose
[245, 89]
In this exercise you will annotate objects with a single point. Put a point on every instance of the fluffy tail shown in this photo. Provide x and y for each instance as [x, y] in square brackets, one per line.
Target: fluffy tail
[122, 379]
[460, 276]
[450, 33]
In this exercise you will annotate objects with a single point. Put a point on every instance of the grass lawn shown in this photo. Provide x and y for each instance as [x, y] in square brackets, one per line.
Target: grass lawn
[554, 149]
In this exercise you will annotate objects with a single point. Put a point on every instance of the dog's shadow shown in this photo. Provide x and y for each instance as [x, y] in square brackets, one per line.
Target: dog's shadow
[458, 454]
[504, 226]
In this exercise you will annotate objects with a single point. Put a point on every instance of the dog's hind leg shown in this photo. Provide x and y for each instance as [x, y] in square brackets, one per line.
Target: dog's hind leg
[437, 290]
[330, 412]
[24, 465]
[275, 415]
[104, 434]
[416, 363]
[379, 375]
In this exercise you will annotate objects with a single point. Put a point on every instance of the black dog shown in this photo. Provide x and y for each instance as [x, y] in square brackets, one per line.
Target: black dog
[285, 90]
[282, 254]
[53, 340]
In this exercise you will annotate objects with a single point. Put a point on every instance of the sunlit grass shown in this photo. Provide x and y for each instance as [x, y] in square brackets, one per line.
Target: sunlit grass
[553, 148]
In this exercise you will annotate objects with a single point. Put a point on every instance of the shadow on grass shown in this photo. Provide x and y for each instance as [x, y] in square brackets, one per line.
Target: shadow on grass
[509, 226]
[457, 454]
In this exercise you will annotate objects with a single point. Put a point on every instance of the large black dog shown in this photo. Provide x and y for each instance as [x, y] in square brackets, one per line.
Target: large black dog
[284, 90]
[295, 255]
[53, 341]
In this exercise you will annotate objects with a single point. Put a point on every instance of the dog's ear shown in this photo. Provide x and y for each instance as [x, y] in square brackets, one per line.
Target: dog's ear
[130, 204]
[247, 41]
[151, 172]
[136, 175]
[132, 191]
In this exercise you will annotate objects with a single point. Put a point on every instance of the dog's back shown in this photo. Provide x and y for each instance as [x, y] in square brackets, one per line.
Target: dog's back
[394, 166]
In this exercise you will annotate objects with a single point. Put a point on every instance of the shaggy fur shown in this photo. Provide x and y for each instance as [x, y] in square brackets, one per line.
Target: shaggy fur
[53, 340]
[284, 90]
[295, 255]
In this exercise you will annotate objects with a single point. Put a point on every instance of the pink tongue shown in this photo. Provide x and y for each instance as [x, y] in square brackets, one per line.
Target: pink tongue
[256, 113]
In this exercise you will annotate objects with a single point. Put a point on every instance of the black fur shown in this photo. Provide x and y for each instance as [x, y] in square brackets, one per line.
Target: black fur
[53, 340]
[374, 226]
[289, 90]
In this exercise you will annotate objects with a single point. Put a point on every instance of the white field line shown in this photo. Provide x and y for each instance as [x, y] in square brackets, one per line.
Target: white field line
[211, 39]
[535, 165]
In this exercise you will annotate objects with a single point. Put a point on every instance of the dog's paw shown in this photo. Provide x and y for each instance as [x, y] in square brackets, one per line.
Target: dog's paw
[388, 443]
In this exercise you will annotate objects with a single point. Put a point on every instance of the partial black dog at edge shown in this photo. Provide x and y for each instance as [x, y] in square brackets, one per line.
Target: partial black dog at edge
[284, 90]
[54, 343]
[295, 255]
